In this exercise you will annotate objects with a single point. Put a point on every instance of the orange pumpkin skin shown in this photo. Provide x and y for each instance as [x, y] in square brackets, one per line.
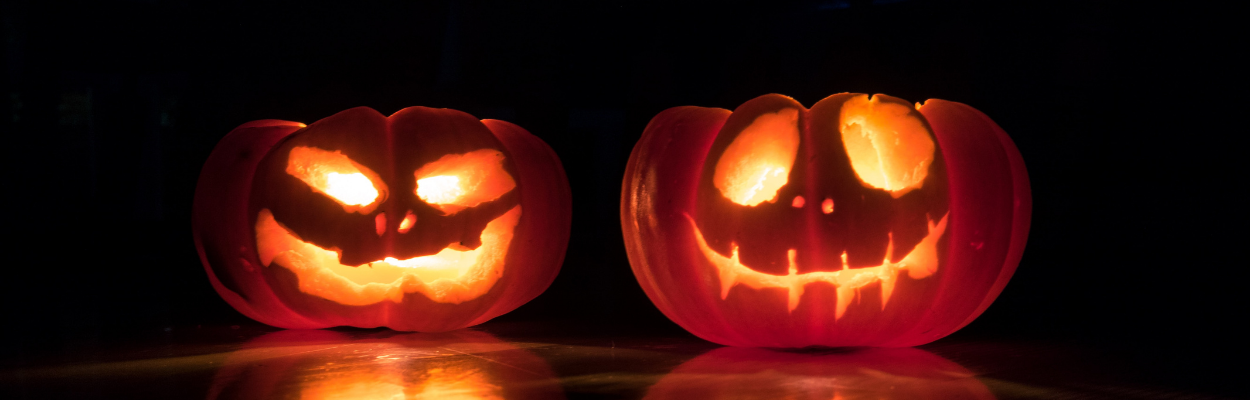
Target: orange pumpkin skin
[831, 259]
[249, 189]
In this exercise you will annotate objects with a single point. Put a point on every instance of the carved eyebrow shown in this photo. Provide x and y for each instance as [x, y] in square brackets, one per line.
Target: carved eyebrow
[354, 186]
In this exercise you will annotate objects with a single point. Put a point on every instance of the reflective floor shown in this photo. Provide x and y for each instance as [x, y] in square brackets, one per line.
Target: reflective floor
[511, 361]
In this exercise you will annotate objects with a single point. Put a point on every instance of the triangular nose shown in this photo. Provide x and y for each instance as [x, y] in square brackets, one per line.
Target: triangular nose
[407, 223]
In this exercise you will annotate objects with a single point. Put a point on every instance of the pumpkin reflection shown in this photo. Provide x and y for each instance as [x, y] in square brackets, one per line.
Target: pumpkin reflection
[876, 373]
[325, 365]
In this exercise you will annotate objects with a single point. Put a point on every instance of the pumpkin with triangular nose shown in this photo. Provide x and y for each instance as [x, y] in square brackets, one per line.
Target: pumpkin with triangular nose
[864, 221]
[427, 220]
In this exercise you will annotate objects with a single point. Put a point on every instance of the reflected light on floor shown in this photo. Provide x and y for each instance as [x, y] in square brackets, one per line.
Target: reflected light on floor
[328, 365]
[874, 373]
[391, 379]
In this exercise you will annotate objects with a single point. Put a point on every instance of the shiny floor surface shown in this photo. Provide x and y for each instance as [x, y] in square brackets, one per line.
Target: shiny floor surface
[507, 361]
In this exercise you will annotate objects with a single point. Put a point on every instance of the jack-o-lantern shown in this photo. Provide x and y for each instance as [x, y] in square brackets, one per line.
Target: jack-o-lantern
[427, 220]
[864, 221]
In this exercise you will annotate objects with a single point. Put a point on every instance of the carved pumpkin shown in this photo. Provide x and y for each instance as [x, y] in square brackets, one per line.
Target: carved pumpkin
[865, 373]
[427, 220]
[384, 365]
[862, 221]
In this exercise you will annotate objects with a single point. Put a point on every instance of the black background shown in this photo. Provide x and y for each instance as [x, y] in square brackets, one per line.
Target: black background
[1121, 111]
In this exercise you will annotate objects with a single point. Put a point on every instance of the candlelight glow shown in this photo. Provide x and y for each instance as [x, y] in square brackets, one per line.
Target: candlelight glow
[920, 263]
[757, 164]
[386, 381]
[331, 173]
[451, 276]
[458, 181]
[352, 189]
[369, 371]
[889, 144]
[409, 220]
[442, 189]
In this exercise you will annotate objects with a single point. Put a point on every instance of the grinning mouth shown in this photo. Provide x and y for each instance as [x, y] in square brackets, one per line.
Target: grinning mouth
[451, 276]
[919, 263]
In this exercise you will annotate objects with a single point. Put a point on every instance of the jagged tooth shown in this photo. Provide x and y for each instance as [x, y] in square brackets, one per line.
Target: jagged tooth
[728, 277]
[792, 255]
[887, 287]
[845, 294]
[889, 247]
[891, 272]
[727, 281]
[796, 293]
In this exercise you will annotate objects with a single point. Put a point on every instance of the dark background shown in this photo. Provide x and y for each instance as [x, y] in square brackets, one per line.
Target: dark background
[1121, 111]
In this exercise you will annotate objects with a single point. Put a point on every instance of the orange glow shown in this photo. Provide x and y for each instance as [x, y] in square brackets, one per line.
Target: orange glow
[355, 387]
[458, 181]
[451, 276]
[827, 206]
[919, 264]
[368, 371]
[333, 174]
[440, 189]
[889, 145]
[409, 220]
[457, 381]
[798, 202]
[757, 164]
[379, 223]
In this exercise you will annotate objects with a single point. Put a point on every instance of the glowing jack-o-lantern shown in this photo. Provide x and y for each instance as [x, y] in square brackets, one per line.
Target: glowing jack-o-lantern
[427, 220]
[865, 220]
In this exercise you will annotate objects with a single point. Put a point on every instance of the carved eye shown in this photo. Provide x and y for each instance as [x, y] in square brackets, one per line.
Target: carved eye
[889, 145]
[459, 181]
[757, 164]
[335, 175]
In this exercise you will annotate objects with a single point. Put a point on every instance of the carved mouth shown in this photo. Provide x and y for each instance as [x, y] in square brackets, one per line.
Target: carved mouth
[451, 276]
[920, 263]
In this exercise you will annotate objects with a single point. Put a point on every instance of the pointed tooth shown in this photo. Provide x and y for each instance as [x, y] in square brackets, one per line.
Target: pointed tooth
[887, 288]
[728, 277]
[845, 294]
[796, 293]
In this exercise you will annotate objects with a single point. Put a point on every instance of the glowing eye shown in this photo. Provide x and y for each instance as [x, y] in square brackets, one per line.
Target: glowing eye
[458, 181]
[757, 164]
[888, 144]
[352, 189]
[333, 174]
[441, 189]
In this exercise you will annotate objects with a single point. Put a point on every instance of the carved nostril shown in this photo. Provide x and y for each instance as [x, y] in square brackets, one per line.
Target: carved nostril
[798, 202]
[379, 223]
[410, 219]
[827, 206]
